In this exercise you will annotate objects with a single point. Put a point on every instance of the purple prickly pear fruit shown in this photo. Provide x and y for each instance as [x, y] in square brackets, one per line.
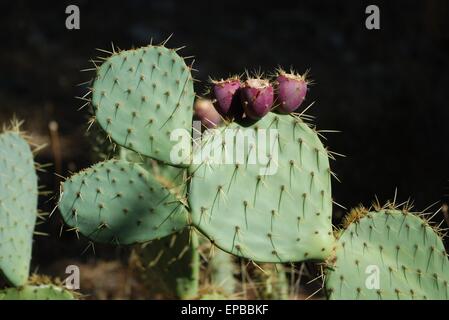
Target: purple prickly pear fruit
[290, 92]
[257, 97]
[206, 113]
[226, 95]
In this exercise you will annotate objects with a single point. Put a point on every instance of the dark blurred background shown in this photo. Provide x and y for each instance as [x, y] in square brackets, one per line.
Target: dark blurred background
[386, 89]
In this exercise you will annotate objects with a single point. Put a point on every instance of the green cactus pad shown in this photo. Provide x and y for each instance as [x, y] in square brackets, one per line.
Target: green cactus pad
[41, 292]
[388, 254]
[272, 282]
[119, 202]
[277, 217]
[18, 207]
[170, 266]
[141, 96]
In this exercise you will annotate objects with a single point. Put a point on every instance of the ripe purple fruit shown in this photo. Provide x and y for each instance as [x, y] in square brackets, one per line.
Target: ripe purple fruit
[291, 91]
[206, 113]
[257, 97]
[226, 96]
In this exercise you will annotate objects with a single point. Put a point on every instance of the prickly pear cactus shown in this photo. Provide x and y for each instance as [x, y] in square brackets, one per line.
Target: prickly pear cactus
[170, 266]
[388, 254]
[273, 204]
[39, 292]
[119, 202]
[18, 206]
[141, 96]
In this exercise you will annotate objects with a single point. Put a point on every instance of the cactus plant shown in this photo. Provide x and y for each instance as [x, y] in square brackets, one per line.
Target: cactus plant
[257, 96]
[388, 253]
[206, 113]
[18, 205]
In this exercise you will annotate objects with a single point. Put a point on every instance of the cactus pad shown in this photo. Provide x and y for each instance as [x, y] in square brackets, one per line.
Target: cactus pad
[269, 207]
[119, 202]
[388, 254]
[140, 96]
[41, 292]
[170, 266]
[18, 207]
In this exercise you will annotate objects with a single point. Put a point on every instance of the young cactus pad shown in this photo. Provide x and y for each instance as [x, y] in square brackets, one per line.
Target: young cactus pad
[170, 266]
[273, 203]
[141, 96]
[119, 202]
[41, 292]
[18, 206]
[388, 254]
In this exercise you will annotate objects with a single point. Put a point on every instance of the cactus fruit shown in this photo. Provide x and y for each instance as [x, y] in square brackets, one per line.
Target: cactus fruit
[36, 292]
[275, 207]
[388, 254]
[119, 202]
[140, 96]
[257, 97]
[291, 91]
[18, 206]
[206, 113]
[226, 95]
[170, 266]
